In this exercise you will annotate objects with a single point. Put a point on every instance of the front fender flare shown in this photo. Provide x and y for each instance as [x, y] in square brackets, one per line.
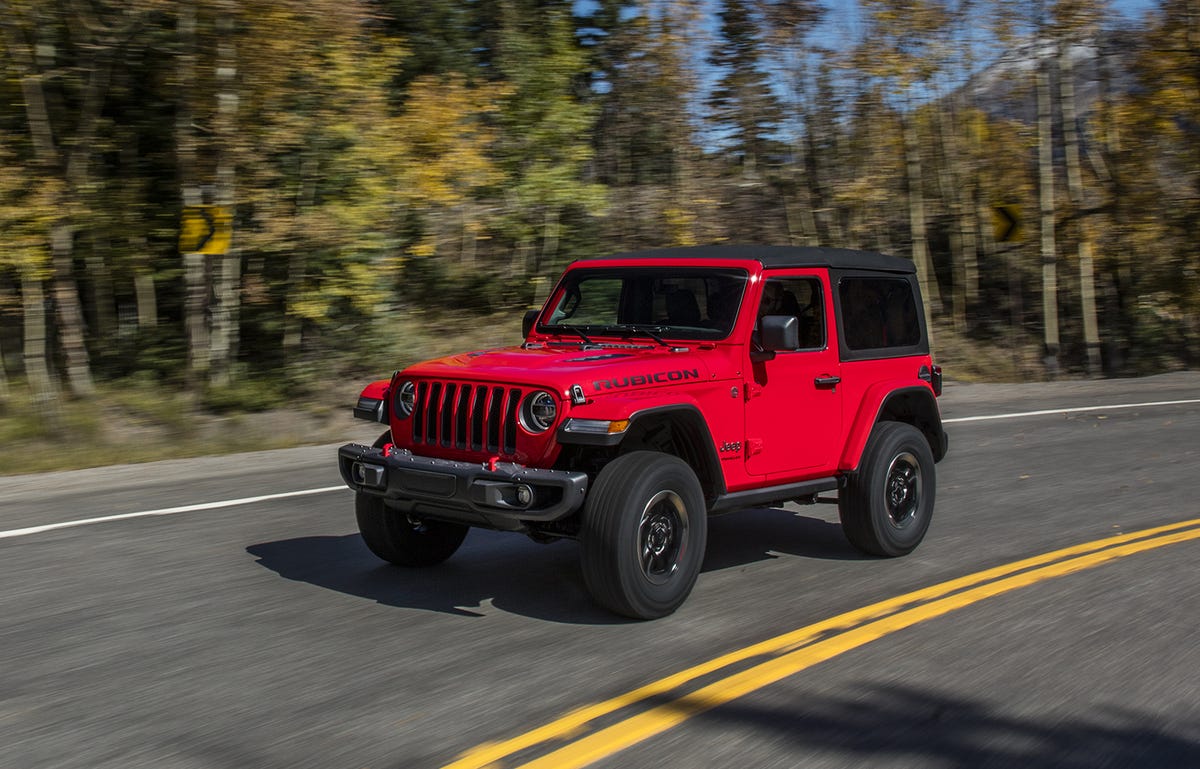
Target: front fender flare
[698, 448]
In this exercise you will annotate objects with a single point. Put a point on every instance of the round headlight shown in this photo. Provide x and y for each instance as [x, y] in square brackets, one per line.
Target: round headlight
[538, 411]
[406, 396]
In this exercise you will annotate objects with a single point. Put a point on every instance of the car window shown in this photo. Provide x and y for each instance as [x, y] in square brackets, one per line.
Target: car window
[799, 297]
[878, 313]
[681, 303]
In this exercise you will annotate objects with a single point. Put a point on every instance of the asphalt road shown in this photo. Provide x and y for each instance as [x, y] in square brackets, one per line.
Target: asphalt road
[264, 634]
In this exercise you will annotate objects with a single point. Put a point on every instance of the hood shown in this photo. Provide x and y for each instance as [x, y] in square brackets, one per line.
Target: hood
[560, 368]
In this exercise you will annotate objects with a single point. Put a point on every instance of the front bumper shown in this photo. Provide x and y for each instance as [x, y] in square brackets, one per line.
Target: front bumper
[497, 495]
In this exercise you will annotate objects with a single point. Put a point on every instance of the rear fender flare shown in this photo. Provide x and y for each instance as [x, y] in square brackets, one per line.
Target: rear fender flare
[913, 404]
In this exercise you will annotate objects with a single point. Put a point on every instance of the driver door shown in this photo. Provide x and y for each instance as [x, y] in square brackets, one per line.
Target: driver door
[793, 402]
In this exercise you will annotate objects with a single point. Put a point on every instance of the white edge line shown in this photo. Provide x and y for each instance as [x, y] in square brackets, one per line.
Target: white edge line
[167, 511]
[1074, 410]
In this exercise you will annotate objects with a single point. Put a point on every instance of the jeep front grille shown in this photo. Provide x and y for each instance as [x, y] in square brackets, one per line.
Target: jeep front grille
[466, 416]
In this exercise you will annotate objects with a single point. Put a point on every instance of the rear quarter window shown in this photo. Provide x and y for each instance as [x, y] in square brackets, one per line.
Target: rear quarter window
[880, 317]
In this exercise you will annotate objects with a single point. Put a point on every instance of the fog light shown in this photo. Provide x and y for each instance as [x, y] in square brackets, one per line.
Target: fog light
[367, 475]
[524, 496]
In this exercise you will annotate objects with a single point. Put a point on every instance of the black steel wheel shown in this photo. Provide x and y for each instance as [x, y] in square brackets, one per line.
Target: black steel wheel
[887, 506]
[662, 534]
[643, 534]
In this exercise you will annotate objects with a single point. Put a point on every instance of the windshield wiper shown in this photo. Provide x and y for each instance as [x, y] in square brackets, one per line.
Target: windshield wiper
[574, 330]
[631, 329]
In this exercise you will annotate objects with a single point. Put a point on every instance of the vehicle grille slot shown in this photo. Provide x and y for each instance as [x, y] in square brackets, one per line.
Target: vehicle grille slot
[495, 411]
[448, 405]
[461, 413]
[510, 421]
[478, 416]
[435, 403]
[418, 414]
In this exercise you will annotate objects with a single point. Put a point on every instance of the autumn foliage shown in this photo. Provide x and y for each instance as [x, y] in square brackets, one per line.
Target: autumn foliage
[375, 164]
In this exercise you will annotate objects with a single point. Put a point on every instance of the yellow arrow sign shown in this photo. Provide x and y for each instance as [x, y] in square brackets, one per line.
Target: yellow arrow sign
[1006, 223]
[205, 230]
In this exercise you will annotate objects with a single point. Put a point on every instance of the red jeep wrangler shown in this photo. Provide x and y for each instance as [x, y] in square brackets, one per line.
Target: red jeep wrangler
[655, 389]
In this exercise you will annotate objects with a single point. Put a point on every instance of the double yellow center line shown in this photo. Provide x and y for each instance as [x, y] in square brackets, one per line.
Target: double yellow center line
[571, 743]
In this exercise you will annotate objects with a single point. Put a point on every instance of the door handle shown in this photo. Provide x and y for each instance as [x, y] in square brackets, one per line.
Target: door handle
[827, 381]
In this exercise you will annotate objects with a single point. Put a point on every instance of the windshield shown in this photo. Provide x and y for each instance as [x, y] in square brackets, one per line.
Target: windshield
[649, 302]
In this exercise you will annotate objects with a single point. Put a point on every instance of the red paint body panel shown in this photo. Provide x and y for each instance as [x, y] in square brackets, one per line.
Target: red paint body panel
[377, 389]
[794, 426]
[867, 385]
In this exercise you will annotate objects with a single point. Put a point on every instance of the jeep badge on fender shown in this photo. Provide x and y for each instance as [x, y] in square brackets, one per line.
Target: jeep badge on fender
[613, 423]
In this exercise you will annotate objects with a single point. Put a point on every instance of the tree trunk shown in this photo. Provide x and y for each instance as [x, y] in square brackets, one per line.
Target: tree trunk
[147, 301]
[1087, 282]
[195, 268]
[50, 161]
[808, 235]
[678, 32]
[37, 372]
[1046, 208]
[225, 316]
[226, 291]
[78, 175]
[1121, 293]
[103, 297]
[70, 312]
[968, 228]
[143, 284]
[800, 168]
[195, 278]
[958, 197]
[827, 165]
[970, 224]
[916, 219]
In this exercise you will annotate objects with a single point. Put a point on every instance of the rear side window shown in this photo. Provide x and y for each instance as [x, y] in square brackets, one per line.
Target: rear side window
[879, 314]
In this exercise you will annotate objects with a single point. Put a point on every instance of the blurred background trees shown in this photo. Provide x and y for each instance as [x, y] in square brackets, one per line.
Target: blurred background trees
[207, 192]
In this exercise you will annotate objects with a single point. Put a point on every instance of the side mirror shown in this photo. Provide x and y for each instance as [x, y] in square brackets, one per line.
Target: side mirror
[777, 332]
[531, 317]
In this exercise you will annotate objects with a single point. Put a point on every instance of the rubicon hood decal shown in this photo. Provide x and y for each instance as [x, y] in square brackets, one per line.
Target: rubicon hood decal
[642, 380]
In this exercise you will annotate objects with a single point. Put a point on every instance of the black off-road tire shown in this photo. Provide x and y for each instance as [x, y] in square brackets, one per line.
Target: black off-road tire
[390, 534]
[643, 535]
[886, 507]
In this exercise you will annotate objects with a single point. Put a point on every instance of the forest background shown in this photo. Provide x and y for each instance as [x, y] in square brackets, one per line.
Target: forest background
[210, 208]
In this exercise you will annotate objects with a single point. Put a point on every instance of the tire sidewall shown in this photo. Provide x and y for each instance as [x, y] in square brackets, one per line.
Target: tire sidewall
[893, 440]
[610, 538]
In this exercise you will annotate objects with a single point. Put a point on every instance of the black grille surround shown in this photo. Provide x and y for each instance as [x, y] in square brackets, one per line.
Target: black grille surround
[466, 416]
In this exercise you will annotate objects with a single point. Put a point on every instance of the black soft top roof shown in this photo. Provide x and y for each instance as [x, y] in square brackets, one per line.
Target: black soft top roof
[779, 257]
